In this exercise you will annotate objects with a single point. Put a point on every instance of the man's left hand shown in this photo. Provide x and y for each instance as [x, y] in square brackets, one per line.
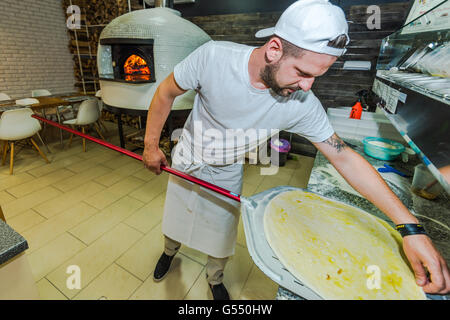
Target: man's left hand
[421, 253]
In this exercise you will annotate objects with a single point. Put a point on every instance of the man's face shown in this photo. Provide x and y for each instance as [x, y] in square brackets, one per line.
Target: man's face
[290, 74]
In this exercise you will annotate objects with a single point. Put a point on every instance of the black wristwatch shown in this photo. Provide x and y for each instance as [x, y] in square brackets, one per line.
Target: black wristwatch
[409, 229]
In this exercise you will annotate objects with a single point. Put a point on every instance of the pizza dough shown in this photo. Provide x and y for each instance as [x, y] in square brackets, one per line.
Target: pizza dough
[337, 250]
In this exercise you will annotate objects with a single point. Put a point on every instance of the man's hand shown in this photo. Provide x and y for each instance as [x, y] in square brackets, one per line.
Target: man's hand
[153, 158]
[421, 253]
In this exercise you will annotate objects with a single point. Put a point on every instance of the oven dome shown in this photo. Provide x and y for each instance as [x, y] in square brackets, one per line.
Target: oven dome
[173, 39]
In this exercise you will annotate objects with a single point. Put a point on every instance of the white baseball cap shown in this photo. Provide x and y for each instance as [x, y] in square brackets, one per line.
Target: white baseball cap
[311, 25]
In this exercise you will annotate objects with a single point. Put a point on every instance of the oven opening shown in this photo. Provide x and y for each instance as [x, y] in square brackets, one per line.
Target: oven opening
[136, 68]
[132, 60]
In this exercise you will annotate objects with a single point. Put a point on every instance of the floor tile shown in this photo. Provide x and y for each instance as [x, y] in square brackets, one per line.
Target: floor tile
[92, 150]
[94, 227]
[195, 255]
[248, 189]
[151, 189]
[48, 292]
[200, 289]
[5, 197]
[48, 230]
[81, 178]
[53, 254]
[236, 273]
[301, 175]
[140, 260]
[293, 163]
[26, 160]
[241, 234]
[111, 194]
[144, 174]
[258, 286]
[31, 200]
[99, 158]
[284, 174]
[182, 275]
[8, 181]
[118, 162]
[40, 183]
[25, 220]
[94, 259]
[114, 283]
[67, 200]
[252, 175]
[118, 174]
[269, 183]
[54, 165]
[149, 216]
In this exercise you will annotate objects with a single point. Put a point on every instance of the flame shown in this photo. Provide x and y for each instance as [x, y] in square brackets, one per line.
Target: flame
[136, 68]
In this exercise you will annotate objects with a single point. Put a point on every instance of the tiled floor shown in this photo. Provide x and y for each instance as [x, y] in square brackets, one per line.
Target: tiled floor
[102, 211]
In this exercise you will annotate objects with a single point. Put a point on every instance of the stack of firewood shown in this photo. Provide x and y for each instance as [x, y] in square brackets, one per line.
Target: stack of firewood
[136, 139]
[103, 11]
[95, 15]
[99, 11]
[127, 120]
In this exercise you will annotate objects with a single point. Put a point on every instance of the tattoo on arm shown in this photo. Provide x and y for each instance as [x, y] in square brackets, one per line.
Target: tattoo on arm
[336, 143]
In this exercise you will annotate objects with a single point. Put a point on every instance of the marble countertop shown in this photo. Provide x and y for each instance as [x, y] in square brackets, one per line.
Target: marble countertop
[11, 243]
[434, 215]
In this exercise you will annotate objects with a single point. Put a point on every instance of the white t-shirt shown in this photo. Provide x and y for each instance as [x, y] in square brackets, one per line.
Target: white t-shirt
[231, 117]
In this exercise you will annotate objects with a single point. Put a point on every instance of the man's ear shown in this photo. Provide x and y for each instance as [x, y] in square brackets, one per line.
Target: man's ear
[274, 50]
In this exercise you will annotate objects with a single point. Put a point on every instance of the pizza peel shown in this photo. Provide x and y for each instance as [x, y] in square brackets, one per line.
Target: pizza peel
[252, 215]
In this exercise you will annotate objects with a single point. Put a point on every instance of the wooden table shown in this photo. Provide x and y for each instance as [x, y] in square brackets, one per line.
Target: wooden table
[46, 103]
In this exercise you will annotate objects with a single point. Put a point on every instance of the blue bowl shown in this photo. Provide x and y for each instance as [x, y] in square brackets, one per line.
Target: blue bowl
[382, 149]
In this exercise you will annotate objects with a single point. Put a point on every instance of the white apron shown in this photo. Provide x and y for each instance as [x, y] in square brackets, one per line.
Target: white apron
[199, 218]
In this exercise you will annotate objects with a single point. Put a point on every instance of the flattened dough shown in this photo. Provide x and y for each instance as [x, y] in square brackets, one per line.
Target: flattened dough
[331, 247]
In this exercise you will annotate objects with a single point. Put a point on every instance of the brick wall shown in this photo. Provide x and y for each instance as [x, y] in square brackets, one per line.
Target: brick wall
[34, 50]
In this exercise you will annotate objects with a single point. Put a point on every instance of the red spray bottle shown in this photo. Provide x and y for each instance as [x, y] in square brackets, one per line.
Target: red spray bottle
[356, 110]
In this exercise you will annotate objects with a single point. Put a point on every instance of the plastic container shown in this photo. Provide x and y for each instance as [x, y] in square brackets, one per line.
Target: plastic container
[279, 149]
[382, 149]
[425, 184]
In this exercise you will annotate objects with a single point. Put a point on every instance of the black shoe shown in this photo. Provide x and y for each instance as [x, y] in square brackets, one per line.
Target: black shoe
[162, 267]
[219, 292]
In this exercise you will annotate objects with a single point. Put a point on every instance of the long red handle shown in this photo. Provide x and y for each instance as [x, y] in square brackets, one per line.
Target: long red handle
[180, 174]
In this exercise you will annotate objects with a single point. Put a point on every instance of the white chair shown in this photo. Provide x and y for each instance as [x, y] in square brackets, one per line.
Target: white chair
[88, 113]
[98, 94]
[58, 111]
[4, 97]
[18, 125]
[25, 103]
[40, 93]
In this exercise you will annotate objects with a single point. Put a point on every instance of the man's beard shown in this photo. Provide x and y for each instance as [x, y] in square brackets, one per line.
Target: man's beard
[268, 76]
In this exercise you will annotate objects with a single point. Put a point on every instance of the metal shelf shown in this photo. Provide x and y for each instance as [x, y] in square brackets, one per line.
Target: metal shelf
[391, 77]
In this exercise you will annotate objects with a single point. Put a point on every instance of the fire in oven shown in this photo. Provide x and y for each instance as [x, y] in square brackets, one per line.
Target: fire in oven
[132, 60]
